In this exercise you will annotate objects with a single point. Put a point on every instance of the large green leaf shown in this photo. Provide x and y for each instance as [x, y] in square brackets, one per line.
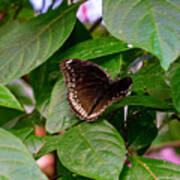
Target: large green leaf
[7, 99]
[16, 163]
[94, 150]
[59, 114]
[4, 30]
[148, 24]
[151, 169]
[28, 45]
[175, 88]
[94, 48]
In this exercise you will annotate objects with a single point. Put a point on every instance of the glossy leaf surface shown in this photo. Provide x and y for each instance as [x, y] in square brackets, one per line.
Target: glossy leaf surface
[7, 99]
[94, 150]
[59, 115]
[16, 163]
[148, 24]
[26, 46]
[151, 169]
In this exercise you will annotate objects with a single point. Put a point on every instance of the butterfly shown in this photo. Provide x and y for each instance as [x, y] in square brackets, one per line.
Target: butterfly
[90, 90]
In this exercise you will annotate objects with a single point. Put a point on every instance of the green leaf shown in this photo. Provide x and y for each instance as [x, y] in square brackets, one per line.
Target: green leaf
[111, 64]
[25, 14]
[151, 79]
[29, 120]
[151, 169]
[34, 143]
[150, 25]
[59, 114]
[7, 115]
[15, 161]
[50, 144]
[94, 48]
[30, 44]
[23, 92]
[174, 127]
[148, 76]
[11, 10]
[43, 79]
[19, 120]
[141, 100]
[79, 34]
[7, 99]
[4, 30]
[95, 150]
[42, 145]
[66, 174]
[167, 135]
[22, 133]
[141, 129]
[175, 88]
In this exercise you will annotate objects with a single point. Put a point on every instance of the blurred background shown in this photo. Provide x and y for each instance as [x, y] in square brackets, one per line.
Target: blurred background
[88, 12]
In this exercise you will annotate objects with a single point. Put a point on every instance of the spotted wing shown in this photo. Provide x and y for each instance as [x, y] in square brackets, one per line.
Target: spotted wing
[86, 83]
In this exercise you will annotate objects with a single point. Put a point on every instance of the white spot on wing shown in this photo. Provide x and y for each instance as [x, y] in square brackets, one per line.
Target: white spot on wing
[75, 103]
[68, 62]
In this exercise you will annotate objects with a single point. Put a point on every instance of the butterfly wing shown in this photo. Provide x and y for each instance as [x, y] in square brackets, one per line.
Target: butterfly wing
[86, 83]
[116, 91]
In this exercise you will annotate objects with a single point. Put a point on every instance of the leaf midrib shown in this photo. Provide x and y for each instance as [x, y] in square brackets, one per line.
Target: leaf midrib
[155, 25]
[100, 163]
[40, 33]
[145, 167]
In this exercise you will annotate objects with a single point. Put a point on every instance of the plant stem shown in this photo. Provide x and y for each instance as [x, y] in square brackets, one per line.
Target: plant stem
[17, 12]
[172, 117]
[158, 147]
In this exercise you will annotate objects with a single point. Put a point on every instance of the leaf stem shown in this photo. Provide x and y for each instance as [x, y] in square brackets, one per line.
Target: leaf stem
[146, 167]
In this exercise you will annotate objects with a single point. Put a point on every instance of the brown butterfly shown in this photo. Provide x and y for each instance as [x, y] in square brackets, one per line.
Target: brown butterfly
[90, 88]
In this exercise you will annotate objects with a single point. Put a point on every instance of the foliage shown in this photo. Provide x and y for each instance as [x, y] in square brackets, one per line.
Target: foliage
[31, 48]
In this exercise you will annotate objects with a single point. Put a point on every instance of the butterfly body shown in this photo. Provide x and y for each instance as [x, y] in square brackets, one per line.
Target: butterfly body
[90, 88]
